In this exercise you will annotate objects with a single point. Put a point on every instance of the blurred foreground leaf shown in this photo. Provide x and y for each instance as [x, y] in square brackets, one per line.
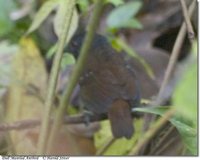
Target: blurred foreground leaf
[185, 96]
[115, 2]
[123, 16]
[42, 14]
[61, 10]
[6, 24]
[185, 99]
[27, 90]
[25, 101]
[68, 59]
[58, 21]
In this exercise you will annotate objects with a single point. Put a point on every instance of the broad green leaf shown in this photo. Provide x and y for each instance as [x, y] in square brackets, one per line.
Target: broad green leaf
[103, 134]
[6, 24]
[59, 20]
[121, 15]
[42, 14]
[188, 134]
[115, 2]
[185, 96]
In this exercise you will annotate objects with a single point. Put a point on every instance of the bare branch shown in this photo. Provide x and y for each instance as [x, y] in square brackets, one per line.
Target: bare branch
[151, 132]
[32, 123]
[174, 56]
[187, 20]
[159, 123]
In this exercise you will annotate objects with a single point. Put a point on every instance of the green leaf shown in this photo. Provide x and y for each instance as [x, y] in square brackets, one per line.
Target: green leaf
[67, 59]
[131, 23]
[120, 17]
[6, 24]
[185, 96]
[103, 134]
[188, 134]
[115, 2]
[42, 14]
[58, 21]
[52, 51]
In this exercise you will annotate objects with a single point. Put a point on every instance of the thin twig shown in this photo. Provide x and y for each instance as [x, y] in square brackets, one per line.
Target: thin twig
[31, 123]
[166, 144]
[20, 125]
[53, 79]
[151, 132]
[161, 140]
[75, 75]
[102, 150]
[168, 73]
[174, 56]
[187, 21]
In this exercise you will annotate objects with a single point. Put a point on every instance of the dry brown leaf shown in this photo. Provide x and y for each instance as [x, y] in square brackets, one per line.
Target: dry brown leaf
[28, 83]
[25, 101]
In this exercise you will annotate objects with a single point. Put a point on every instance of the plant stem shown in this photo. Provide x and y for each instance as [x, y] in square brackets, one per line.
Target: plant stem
[53, 79]
[187, 20]
[75, 75]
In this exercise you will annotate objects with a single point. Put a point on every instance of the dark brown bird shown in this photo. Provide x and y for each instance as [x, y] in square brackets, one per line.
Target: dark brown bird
[107, 84]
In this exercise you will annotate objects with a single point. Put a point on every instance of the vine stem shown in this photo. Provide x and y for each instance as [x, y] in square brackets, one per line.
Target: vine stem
[43, 136]
[75, 75]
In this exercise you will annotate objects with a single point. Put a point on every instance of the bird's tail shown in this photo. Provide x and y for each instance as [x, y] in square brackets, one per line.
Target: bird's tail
[120, 118]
